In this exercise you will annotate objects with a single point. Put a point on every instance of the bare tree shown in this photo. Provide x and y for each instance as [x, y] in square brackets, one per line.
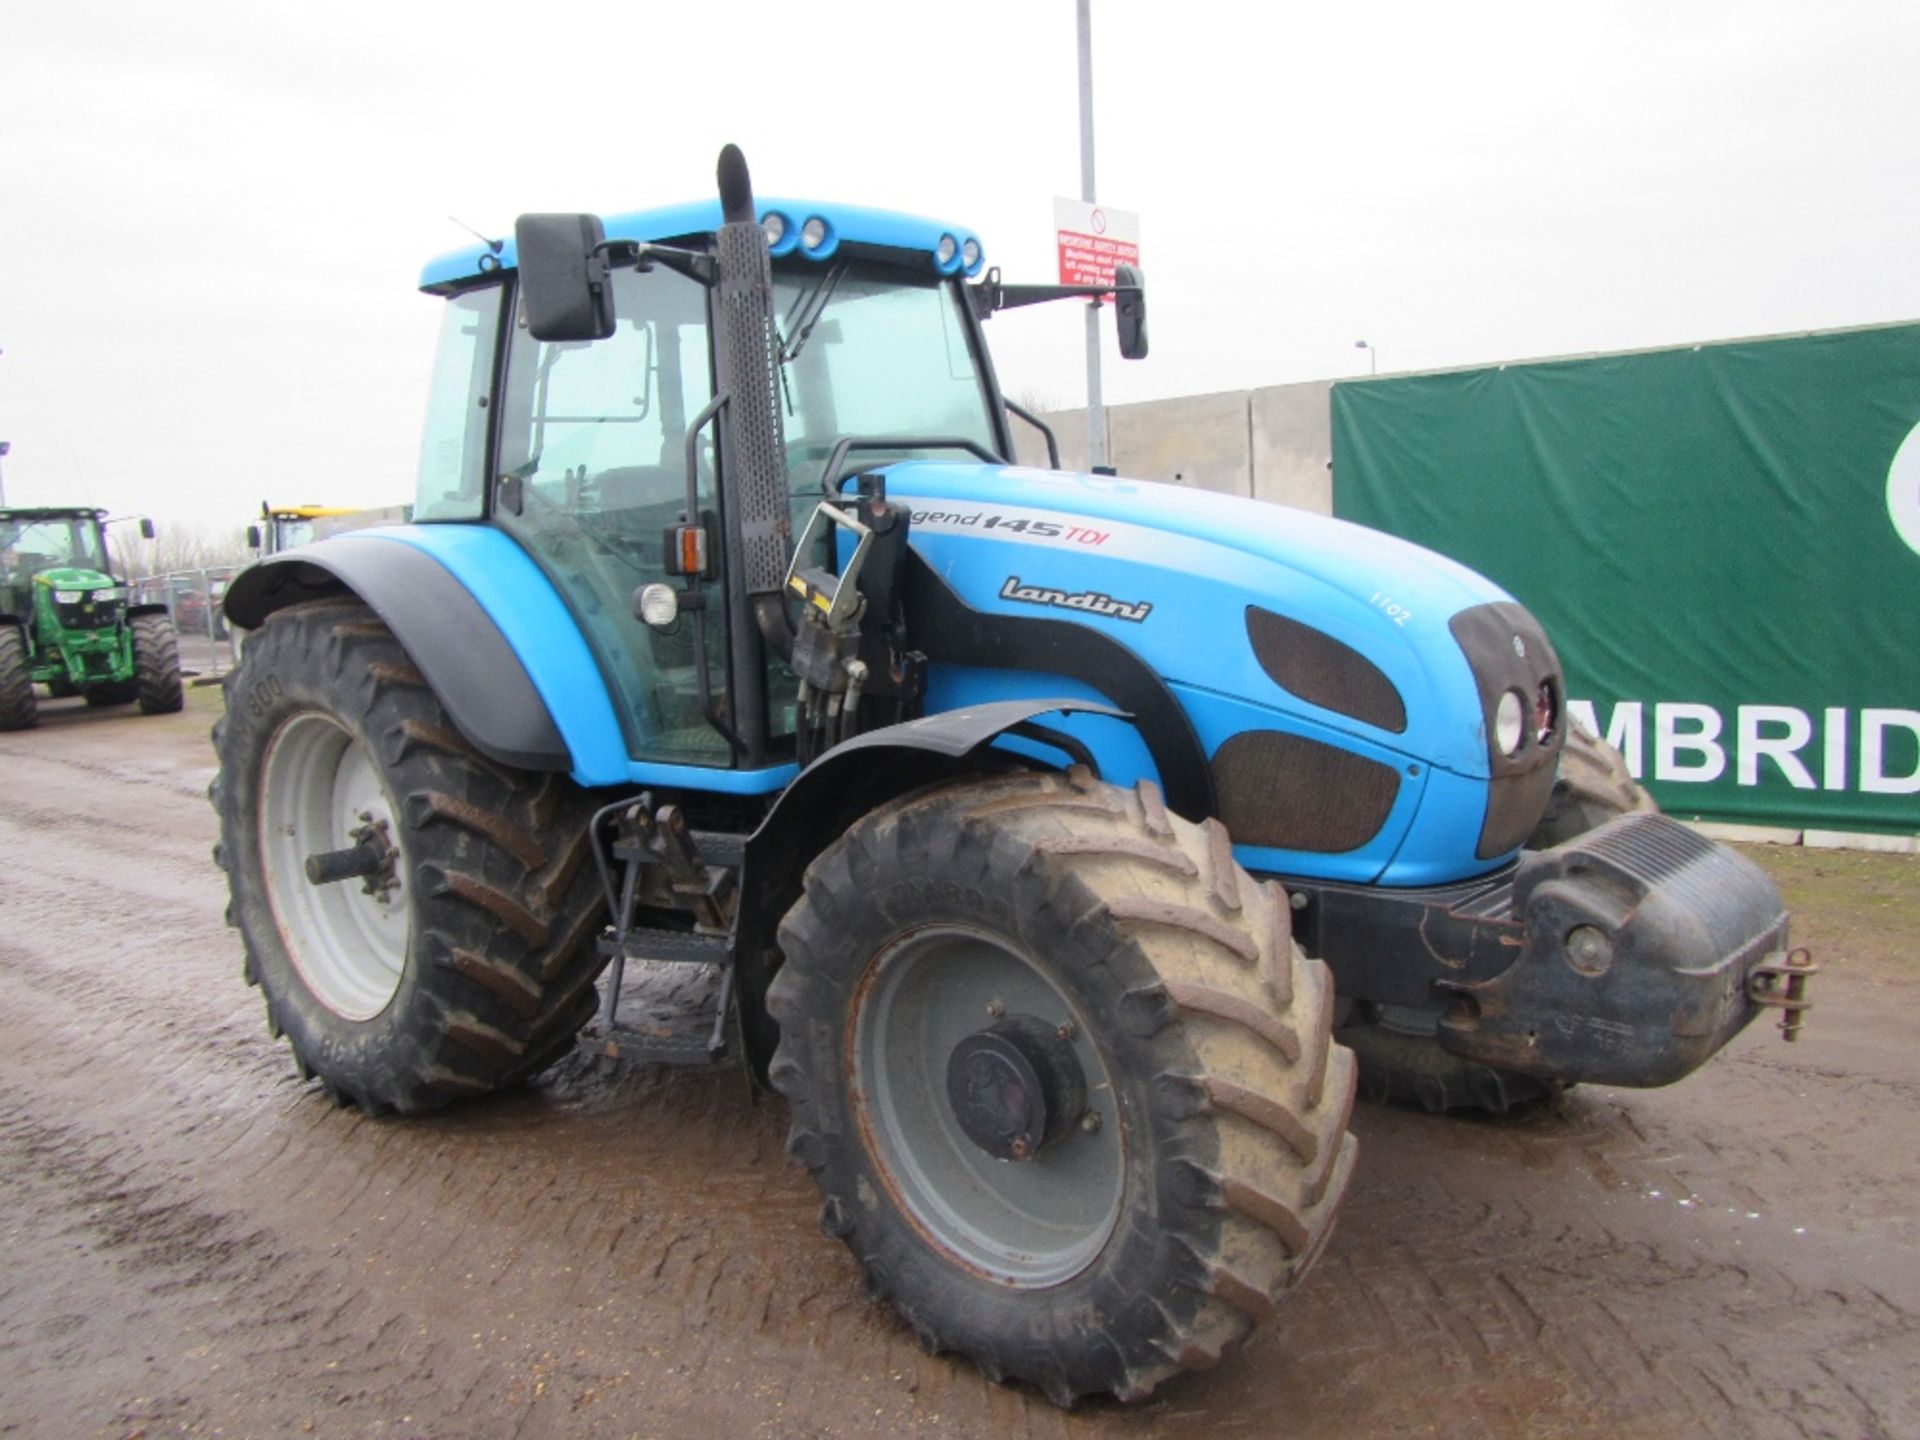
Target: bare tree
[180, 547]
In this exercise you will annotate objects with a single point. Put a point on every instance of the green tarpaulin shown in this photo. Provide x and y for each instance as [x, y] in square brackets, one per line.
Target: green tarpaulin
[1723, 541]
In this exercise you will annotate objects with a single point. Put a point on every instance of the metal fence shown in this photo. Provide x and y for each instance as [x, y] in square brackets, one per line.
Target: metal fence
[208, 645]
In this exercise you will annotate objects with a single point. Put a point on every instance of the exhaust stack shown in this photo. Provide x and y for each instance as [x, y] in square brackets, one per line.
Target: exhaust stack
[748, 347]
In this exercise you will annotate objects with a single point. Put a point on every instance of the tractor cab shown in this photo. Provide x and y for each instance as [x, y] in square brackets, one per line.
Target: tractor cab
[634, 441]
[68, 547]
[283, 527]
[33, 540]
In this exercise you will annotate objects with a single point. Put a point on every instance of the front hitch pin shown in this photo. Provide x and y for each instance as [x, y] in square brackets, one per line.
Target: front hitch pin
[1783, 985]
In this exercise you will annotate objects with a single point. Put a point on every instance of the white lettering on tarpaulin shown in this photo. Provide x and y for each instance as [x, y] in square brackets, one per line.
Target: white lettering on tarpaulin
[1903, 490]
[1769, 743]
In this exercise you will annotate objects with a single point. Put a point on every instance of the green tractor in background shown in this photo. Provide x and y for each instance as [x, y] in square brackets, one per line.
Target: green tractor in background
[69, 623]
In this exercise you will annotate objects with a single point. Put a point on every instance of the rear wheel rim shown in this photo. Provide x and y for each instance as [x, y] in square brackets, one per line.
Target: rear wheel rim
[318, 785]
[1027, 1224]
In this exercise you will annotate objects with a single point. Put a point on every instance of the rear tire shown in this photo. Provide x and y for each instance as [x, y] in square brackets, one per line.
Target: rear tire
[1401, 1061]
[1124, 1249]
[156, 664]
[19, 706]
[475, 968]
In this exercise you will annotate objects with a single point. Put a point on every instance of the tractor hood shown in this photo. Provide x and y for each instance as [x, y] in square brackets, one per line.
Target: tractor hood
[75, 577]
[1351, 632]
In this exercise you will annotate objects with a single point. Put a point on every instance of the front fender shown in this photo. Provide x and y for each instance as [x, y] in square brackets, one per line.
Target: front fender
[447, 632]
[847, 782]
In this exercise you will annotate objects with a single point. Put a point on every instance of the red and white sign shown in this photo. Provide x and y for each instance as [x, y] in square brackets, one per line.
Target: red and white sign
[1094, 239]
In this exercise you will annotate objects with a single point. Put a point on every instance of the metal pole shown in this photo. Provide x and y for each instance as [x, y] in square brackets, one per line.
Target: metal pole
[1096, 414]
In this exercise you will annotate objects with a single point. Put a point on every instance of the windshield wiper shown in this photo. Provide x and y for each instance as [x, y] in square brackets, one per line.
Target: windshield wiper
[807, 309]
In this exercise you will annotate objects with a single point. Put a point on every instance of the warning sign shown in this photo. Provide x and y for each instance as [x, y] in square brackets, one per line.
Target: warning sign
[1093, 239]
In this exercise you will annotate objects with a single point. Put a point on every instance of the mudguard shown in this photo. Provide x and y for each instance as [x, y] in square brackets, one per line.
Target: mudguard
[449, 635]
[848, 781]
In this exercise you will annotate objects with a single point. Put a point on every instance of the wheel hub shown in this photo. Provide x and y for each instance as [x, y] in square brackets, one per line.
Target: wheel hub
[1015, 1086]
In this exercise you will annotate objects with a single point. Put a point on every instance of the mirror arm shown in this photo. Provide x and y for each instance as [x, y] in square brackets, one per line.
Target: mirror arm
[622, 254]
[989, 295]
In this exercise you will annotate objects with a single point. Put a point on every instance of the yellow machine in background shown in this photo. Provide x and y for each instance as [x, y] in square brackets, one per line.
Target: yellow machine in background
[285, 526]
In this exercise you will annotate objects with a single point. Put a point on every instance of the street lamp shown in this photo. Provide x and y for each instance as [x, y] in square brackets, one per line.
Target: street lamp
[1373, 356]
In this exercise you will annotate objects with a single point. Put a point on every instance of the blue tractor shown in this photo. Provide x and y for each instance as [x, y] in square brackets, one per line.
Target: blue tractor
[1003, 807]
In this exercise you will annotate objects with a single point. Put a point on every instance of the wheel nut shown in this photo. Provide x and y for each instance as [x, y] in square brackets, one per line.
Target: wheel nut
[1065, 1032]
[996, 1008]
[1090, 1122]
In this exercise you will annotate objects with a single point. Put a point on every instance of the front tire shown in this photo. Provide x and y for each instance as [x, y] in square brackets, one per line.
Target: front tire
[1179, 1144]
[156, 665]
[1592, 787]
[468, 962]
[19, 706]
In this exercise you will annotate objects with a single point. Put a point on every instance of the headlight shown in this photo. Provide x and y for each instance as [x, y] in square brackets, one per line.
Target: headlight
[970, 256]
[658, 605]
[946, 250]
[814, 233]
[775, 226]
[1509, 723]
[69, 597]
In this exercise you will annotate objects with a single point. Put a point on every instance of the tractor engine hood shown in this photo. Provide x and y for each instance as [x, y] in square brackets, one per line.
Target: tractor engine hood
[75, 577]
[1349, 632]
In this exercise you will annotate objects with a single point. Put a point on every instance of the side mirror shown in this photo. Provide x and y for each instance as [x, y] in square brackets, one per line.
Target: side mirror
[564, 283]
[146, 528]
[253, 537]
[1130, 311]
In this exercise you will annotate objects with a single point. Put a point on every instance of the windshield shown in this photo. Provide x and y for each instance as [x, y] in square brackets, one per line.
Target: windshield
[29, 546]
[869, 350]
[288, 533]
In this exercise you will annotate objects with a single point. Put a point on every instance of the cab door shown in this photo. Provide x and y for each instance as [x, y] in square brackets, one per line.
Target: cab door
[590, 470]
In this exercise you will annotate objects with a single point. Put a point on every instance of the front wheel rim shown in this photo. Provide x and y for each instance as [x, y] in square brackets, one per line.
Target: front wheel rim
[349, 946]
[1028, 1223]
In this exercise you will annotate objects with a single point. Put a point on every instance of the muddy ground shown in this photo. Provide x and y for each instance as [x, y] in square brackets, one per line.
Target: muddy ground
[193, 1242]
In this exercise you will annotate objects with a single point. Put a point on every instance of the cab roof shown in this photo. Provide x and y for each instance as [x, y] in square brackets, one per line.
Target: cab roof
[844, 224]
[52, 512]
[305, 512]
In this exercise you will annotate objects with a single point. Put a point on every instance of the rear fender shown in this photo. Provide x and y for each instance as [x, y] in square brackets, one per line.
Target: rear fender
[443, 628]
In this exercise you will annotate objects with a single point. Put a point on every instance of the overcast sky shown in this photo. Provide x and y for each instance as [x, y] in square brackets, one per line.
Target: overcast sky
[213, 215]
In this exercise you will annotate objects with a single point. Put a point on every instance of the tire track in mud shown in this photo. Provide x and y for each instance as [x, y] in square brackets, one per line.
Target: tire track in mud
[193, 1240]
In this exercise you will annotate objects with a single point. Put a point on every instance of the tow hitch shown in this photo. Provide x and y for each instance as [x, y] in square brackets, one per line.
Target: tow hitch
[1782, 984]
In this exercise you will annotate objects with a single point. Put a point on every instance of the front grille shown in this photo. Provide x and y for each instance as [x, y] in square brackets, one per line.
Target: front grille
[1292, 793]
[96, 615]
[1327, 672]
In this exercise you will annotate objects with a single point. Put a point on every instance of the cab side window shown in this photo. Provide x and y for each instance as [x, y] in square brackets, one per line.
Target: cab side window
[453, 447]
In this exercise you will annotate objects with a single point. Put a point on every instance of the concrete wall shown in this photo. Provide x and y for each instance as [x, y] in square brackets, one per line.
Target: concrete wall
[1273, 444]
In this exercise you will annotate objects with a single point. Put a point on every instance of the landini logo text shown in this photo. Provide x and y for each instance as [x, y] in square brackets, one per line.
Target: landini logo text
[1093, 602]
